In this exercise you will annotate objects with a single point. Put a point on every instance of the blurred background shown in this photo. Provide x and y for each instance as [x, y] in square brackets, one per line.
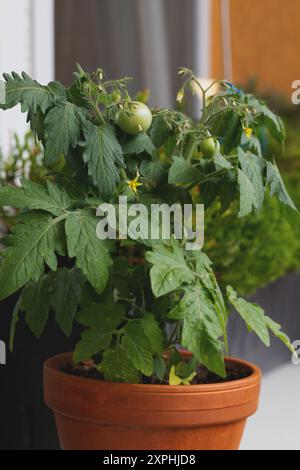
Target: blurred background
[253, 44]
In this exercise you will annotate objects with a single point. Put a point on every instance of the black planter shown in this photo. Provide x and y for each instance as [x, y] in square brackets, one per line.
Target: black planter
[26, 423]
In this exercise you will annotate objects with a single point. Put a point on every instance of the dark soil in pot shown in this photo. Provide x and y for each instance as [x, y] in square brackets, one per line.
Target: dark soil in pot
[234, 371]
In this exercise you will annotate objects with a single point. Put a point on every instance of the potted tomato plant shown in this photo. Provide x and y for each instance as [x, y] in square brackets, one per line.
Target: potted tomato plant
[150, 370]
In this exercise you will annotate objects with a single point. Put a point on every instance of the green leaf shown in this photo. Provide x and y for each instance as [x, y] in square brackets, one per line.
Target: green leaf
[160, 368]
[138, 144]
[174, 357]
[248, 199]
[253, 167]
[182, 172]
[29, 93]
[278, 189]
[59, 196]
[137, 347]
[63, 126]
[92, 342]
[272, 121]
[95, 314]
[208, 280]
[252, 144]
[181, 374]
[76, 94]
[169, 270]
[201, 327]
[92, 255]
[252, 314]
[276, 330]
[197, 307]
[58, 89]
[65, 297]
[36, 305]
[14, 321]
[153, 171]
[188, 380]
[227, 124]
[153, 332]
[104, 158]
[257, 321]
[206, 349]
[185, 369]
[35, 196]
[277, 186]
[103, 320]
[116, 366]
[32, 244]
[36, 121]
[221, 162]
[209, 192]
[159, 131]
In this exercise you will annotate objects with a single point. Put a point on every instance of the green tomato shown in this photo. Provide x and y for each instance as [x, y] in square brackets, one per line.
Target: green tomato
[137, 119]
[209, 147]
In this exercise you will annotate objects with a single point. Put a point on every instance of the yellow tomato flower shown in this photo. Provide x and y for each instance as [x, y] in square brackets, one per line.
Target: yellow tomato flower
[248, 131]
[134, 184]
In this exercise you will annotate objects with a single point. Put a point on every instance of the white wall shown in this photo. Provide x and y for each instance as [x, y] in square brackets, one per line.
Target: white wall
[202, 24]
[27, 43]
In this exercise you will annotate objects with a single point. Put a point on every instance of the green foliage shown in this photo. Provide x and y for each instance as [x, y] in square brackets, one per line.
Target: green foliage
[102, 321]
[182, 171]
[160, 131]
[29, 93]
[59, 291]
[153, 333]
[169, 269]
[253, 251]
[65, 289]
[201, 328]
[278, 189]
[103, 155]
[201, 309]
[92, 255]
[124, 293]
[33, 243]
[153, 171]
[138, 144]
[35, 196]
[252, 168]
[256, 320]
[248, 197]
[63, 124]
[35, 302]
[138, 347]
[116, 366]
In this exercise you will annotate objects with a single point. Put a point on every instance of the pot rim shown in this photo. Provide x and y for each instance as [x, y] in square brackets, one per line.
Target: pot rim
[53, 363]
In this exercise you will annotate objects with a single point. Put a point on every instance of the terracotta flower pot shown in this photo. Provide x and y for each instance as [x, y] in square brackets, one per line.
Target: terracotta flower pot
[91, 414]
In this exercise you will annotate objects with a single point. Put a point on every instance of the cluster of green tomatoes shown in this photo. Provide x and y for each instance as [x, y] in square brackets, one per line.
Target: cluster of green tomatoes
[139, 119]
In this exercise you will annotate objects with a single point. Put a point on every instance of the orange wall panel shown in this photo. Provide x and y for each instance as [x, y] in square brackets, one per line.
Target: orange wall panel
[265, 39]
